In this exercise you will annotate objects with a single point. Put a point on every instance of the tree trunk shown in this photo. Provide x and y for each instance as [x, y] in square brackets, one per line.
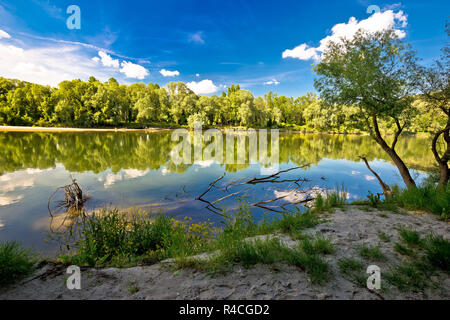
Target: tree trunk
[444, 175]
[442, 161]
[402, 168]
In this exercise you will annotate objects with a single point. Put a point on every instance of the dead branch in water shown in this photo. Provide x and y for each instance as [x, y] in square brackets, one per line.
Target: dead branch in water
[386, 189]
[273, 178]
[74, 199]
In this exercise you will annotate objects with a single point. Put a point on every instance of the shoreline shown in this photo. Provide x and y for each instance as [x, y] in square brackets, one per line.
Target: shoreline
[157, 129]
[348, 229]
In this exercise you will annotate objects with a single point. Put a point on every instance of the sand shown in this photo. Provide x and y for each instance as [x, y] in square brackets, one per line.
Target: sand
[347, 228]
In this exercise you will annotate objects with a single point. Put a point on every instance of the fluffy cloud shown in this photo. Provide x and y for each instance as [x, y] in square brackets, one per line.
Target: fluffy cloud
[302, 52]
[106, 60]
[167, 73]
[377, 22]
[129, 69]
[50, 65]
[273, 81]
[46, 65]
[202, 87]
[132, 70]
[4, 34]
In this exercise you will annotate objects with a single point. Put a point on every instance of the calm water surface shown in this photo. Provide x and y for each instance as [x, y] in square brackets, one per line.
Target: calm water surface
[134, 169]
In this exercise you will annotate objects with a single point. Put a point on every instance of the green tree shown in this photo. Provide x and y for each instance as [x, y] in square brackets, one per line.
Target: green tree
[376, 72]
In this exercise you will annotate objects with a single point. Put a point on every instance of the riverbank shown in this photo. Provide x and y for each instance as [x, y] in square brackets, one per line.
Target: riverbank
[58, 129]
[155, 129]
[359, 236]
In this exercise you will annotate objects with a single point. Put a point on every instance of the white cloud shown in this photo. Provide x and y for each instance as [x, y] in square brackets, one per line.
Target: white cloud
[197, 74]
[369, 178]
[202, 87]
[47, 65]
[167, 73]
[52, 64]
[301, 52]
[4, 34]
[273, 81]
[107, 61]
[132, 70]
[197, 38]
[377, 22]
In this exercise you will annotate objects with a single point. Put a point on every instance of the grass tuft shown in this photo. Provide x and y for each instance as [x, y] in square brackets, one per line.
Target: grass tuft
[371, 253]
[437, 252]
[15, 262]
[354, 270]
[410, 237]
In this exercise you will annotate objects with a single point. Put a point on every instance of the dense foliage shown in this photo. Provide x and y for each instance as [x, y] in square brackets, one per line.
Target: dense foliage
[95, 104]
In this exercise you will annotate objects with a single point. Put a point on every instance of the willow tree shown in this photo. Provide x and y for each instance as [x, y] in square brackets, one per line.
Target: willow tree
[377, 73]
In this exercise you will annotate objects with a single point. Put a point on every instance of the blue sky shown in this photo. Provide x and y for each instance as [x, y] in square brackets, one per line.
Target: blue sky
[262, 45]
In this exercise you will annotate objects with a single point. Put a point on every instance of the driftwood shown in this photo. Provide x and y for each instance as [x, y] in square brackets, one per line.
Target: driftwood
[386, 189]
[273, 178]
[73, 202]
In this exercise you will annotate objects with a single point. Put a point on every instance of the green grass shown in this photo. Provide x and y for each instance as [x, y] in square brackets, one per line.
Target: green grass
[384, 237]
[425, 197]
[15, 262]
[410, 237]
[256, 251]
[317, 245]
[293, 222]
[121, 239]
[437, 252]
[411, 276]
[354, 270]
[336, 198]
[432, 253]
[371, 253]
[404, 250]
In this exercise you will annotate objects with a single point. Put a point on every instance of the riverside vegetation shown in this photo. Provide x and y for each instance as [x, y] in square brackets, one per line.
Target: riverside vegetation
[114, 238]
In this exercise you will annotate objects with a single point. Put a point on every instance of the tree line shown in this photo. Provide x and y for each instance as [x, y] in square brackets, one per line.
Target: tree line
[91, 104]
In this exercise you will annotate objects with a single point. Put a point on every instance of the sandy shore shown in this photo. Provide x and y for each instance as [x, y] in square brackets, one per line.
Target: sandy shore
[56, 129]
[347, 229]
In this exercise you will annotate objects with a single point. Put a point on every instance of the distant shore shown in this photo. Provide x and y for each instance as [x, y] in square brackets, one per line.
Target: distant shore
[61, 129]
[155, 129]
[151, 129]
